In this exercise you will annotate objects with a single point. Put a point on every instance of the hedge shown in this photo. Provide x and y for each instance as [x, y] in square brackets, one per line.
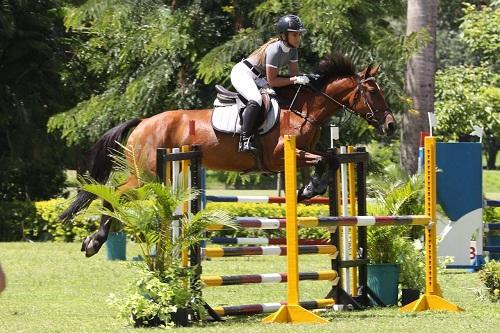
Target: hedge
[38, 221]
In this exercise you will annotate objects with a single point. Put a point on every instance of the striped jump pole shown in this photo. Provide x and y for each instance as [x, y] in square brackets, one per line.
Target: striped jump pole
[292, 312]
[431, 300]
[266, 223]
[262, 199]
[230, 280]
[217, 252]
[264, 241]
[253, 309]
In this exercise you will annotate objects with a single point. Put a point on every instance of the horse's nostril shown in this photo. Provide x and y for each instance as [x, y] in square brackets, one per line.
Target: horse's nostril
[391, 128]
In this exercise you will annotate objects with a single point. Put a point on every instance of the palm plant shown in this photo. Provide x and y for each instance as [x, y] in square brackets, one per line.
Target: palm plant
[148, 214]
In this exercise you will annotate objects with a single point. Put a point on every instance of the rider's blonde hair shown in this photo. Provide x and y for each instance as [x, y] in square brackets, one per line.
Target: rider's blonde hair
[261, 52]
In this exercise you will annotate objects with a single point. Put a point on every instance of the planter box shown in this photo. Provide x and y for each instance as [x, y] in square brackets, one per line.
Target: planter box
[409, 295]
[116, 246]
[383, 279]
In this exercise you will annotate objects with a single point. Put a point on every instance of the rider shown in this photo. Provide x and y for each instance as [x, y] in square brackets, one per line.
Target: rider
[264, 64]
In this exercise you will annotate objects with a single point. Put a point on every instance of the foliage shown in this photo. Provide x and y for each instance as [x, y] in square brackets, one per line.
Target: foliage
[396, 195]
[15, 216]
[468, 94]
[141, 54]
[235, 209]
[158, 296]
[37, 221]
[382, 158]
[47, 226]
[149, 215]
[31, 51]
[490, 276]
[491, 215]
[481, 30]
[412, 261]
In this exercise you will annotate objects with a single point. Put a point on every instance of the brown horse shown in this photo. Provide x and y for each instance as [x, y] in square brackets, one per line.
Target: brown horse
[337, 87]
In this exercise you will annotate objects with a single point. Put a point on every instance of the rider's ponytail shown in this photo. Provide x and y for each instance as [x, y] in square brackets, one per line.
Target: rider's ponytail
[260, 53]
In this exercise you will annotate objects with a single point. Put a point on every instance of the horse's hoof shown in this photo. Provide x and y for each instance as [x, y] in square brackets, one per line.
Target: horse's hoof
[90, 246]
[304, 193]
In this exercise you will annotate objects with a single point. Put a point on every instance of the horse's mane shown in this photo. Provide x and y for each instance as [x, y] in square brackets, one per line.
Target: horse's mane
[332, 66]
[335, 65]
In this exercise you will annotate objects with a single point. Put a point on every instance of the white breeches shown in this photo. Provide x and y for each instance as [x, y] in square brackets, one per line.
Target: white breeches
[243, 81]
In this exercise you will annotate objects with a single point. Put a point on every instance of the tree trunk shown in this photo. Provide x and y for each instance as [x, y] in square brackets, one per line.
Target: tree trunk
[491, 146]
[420, 72]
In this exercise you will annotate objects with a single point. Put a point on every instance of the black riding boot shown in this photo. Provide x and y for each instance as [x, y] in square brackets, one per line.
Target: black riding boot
[249, 119]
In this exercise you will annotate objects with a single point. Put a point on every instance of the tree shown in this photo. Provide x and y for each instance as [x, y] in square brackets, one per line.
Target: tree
[31, 50]
[141, 56]
[421, 69]
[469, 94]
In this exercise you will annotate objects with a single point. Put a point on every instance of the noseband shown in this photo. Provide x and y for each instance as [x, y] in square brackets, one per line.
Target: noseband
[360, 92]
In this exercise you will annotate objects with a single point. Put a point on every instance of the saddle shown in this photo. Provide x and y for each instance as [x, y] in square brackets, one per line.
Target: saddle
[229, 105]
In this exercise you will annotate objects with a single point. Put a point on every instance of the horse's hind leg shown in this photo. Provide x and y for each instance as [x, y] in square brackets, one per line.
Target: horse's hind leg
[93, 243]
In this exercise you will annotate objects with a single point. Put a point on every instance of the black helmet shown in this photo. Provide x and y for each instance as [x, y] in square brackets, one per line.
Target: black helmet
[290, 23]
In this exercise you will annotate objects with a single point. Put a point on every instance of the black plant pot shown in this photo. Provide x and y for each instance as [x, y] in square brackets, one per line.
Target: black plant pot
[183, 317]
[409, 295]
[152, 322]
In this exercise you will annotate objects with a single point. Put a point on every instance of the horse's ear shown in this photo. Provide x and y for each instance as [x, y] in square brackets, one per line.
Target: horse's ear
[374, 71]
[367, 71]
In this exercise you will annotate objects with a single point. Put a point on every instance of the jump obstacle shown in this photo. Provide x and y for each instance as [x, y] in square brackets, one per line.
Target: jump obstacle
[292, 310]
[460, 194]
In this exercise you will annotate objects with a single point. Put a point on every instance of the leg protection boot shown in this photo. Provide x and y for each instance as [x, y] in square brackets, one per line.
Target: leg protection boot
[250, 116]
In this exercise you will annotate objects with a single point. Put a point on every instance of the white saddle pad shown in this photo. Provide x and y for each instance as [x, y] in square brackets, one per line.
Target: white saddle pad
[226, 118]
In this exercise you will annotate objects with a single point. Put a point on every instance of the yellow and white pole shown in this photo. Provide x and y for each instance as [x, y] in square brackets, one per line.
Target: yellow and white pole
[292, 312]
[353, 229]
[432, 299]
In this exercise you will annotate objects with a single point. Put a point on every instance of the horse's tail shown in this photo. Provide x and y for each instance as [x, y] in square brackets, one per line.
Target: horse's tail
[100, 165]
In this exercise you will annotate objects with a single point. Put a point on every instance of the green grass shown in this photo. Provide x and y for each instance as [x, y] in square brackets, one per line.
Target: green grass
[52, 287]
[491, 184]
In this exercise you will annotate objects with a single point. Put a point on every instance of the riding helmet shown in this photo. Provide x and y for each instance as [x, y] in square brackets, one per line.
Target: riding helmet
[290, 23]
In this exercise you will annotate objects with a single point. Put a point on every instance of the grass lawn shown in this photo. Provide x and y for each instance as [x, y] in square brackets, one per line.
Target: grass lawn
[491, 184]
[52, 287]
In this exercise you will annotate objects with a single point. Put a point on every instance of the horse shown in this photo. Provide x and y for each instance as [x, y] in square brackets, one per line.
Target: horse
[337, 86]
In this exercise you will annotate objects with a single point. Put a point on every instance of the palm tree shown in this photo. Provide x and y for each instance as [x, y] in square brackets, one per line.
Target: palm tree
[420, 72]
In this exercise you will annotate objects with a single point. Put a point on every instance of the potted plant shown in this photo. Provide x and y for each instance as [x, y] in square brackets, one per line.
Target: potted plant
[384, 269]
[116, 244]
[165, 292]
[390, 249]
[412, 276]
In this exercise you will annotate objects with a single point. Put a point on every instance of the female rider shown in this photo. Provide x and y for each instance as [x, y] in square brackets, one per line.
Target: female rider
[264, 63]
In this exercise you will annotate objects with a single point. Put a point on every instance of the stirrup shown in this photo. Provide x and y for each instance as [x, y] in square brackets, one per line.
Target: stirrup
[245, 145]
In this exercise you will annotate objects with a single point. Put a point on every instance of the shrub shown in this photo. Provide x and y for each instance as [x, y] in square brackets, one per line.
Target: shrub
[491, 215]
[490, 276]
[46, 225]
[270, 210]
[15, 217]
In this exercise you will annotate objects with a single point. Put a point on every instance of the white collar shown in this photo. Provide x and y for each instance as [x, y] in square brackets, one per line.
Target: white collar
[285, 48]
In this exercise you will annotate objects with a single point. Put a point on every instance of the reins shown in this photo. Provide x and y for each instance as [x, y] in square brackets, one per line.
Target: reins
[359, 92]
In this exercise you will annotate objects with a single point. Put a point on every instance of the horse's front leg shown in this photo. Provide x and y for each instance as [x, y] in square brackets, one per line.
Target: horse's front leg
[319, 180]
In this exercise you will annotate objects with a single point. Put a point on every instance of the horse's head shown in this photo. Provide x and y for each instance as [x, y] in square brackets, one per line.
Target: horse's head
[369, 102]
[358, 93]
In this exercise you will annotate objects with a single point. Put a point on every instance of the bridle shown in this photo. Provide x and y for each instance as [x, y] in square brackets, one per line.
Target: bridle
[359, 93]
